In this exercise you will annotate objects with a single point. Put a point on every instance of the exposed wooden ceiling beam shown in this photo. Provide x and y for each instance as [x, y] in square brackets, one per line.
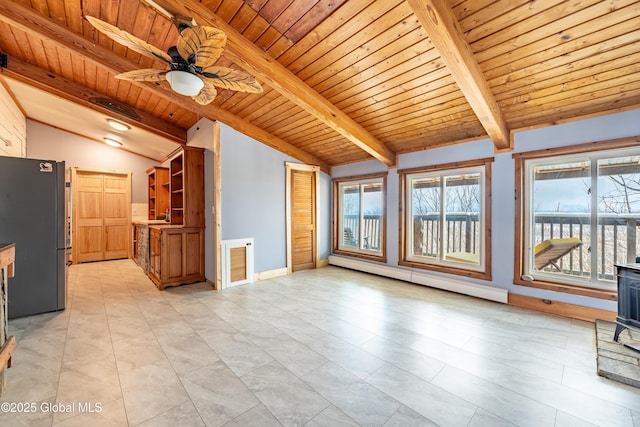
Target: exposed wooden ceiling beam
[437, 18]
[263, 66]
[32, 23]
[56, 85]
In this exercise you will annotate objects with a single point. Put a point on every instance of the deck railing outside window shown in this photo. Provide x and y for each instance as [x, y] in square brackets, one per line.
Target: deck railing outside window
[370, 230]
[617, 235]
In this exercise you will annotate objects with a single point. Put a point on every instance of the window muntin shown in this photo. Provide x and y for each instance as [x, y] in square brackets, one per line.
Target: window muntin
[560, 196]
[360, 216]
[446, 219]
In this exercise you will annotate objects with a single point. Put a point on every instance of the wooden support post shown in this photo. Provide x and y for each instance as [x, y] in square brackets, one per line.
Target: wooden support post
[7, 261]
[6, 351]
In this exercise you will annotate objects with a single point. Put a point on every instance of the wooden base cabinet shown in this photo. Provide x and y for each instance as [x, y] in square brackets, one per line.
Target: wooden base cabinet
[176, 255]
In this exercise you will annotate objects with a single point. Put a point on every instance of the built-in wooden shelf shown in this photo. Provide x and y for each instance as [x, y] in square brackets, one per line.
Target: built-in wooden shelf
[186, 170]
[158, 192]
[176, 249]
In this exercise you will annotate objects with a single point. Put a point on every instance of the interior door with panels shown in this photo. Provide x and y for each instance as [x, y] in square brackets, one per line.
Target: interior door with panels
[88, 241]
[101, 205]
[116, 214]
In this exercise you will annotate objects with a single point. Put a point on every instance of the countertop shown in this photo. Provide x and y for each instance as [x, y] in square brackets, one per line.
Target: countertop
[166, 225]
[7, 256]
[149, 221]
[6, 245]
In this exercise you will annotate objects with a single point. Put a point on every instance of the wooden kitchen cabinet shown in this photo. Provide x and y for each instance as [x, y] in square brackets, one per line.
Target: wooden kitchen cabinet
[158, 178]
[176, 255]
[176, 250]
[186, 169]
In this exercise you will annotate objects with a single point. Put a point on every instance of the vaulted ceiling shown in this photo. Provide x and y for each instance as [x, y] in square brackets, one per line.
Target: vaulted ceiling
[344, 80]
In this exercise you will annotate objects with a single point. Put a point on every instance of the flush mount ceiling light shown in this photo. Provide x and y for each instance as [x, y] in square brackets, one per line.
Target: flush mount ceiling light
[118, 125]
[185, 83]
[113, 142]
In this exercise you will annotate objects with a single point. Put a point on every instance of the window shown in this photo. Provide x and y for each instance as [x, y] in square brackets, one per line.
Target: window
[359, 217]
[579, 217]
[446, 217]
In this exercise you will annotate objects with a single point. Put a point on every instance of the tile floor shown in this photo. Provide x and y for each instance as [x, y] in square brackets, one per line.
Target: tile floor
[329, 347]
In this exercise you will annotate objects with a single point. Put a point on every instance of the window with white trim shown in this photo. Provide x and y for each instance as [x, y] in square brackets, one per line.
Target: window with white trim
[446, 215]
[581, 213]
[359, 216]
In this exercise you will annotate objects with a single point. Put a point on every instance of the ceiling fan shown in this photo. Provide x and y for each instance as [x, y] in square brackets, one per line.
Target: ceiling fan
[191, 61]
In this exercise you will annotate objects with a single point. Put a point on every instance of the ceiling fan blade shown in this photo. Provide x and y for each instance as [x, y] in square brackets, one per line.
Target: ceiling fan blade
[203, 44]
[128, 40]
[144, 75]
[228, 78]
[207, 94]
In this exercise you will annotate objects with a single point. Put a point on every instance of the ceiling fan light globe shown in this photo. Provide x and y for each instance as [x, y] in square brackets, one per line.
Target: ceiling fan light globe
[185, 83]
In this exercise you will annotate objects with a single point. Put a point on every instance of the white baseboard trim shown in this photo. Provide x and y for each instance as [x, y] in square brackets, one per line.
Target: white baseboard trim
[422, 278]
[269, 274]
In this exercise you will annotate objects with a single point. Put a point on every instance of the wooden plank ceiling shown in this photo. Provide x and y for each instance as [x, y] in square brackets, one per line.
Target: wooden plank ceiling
[347, 80]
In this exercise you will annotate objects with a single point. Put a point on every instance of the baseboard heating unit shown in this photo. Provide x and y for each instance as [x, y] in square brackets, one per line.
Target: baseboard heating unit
[417, 277]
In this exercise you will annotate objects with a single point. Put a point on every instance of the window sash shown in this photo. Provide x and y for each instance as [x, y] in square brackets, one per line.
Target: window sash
[440, 245]
[592, 264]
[360, 232]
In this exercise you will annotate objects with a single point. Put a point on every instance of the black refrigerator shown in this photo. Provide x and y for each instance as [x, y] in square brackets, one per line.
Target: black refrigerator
[32, 215]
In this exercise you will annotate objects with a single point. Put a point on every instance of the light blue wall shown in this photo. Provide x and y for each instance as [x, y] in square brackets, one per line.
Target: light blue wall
[503, 188]
[324, 216]
[253, 180]
[49, 143]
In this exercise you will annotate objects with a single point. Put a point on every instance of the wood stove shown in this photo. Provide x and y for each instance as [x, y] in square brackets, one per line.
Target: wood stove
[628, 299]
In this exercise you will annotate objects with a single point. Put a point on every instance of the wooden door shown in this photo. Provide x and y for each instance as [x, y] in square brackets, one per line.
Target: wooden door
[303, 219]
[116, 213]
[88, 239]
[101, 215]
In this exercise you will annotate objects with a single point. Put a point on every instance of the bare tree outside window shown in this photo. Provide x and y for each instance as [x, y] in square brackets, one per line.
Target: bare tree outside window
[619, 205]
[460, 213]
[464, 198]
[624, 197]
